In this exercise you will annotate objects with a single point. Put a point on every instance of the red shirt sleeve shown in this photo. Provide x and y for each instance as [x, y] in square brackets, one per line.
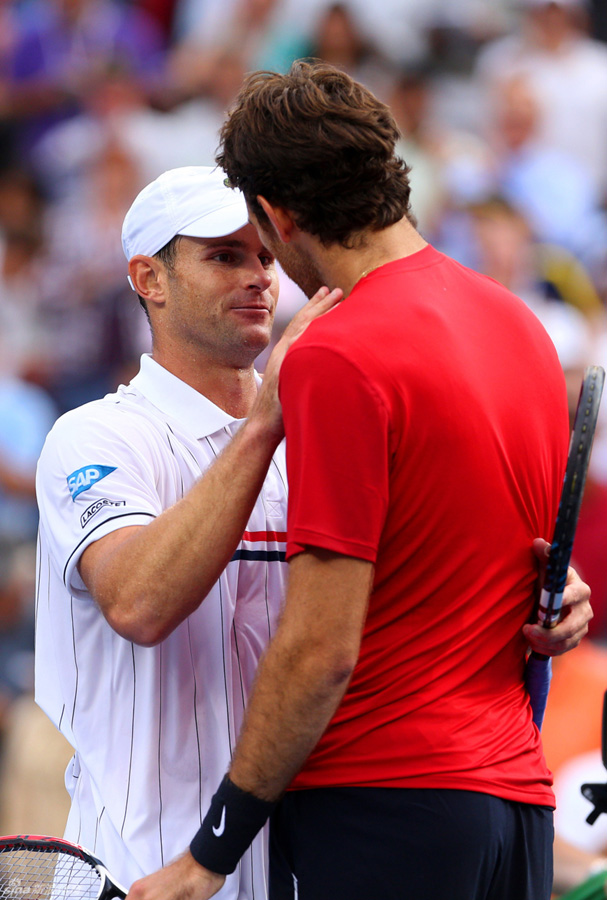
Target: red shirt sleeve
[337, 431]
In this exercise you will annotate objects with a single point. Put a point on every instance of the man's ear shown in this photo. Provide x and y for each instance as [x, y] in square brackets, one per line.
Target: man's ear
[147, 277]
[280, 219]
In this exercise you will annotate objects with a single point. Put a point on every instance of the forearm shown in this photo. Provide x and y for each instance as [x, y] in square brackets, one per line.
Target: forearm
[299, 686]
[293, 703]
[150, 581]
[305, 672]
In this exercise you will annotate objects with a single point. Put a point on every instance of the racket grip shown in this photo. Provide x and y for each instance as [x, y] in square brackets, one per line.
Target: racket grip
[549, 609]
[538, 675]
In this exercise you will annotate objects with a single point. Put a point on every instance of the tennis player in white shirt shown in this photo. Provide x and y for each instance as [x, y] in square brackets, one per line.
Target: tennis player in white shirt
[158, 590]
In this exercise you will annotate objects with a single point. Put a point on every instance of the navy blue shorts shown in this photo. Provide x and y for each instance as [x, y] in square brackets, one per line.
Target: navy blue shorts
[393, 844]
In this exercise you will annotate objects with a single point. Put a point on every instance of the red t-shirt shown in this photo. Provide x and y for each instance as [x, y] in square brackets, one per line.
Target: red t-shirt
[427, 431]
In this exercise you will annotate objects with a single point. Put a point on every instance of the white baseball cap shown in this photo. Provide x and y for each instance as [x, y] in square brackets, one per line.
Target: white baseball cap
[193, 200]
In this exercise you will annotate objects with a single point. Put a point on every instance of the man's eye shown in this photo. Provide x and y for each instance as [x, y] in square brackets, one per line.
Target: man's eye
[266, 260]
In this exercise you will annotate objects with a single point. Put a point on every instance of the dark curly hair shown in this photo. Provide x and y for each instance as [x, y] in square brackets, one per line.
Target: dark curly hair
[320, 144]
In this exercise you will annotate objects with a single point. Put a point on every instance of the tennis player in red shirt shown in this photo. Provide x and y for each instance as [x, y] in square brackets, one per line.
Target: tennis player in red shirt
[390, 734]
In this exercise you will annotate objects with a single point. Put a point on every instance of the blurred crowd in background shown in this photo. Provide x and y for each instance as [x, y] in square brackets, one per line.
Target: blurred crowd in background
[502, 108]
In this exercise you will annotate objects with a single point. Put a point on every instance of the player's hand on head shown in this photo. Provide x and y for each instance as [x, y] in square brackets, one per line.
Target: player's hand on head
[183, 879]
[268, 404]
[576, 613]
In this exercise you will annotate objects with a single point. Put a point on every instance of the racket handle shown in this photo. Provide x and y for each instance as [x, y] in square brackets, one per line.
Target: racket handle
[538, 674]
[549, 609]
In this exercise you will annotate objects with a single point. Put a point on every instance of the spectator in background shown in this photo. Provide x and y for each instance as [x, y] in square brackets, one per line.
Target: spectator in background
[66, 332]
[543, 275]
[23, 211]
[552, 187]
[549, 188]
[10, 28]
[26, 410]
[16, 624]
[91, 324]
[446, 162]
[567, 71]
[26, 416]
[340, 39]
[264, 33]
[184, 131]
[163, 12]
[398, 29]
[65, 48]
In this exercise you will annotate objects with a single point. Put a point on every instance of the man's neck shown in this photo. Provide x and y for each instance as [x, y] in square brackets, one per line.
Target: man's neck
[231, 388]
[344, 267]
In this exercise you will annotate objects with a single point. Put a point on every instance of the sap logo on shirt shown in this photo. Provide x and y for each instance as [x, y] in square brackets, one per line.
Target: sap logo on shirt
[84, 478]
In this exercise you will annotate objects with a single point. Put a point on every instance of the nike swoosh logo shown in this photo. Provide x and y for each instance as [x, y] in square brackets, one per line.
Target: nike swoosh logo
[222, 824]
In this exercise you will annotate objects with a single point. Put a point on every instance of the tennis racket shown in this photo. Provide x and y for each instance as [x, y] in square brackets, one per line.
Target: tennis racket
[37, 867]
[539, 668]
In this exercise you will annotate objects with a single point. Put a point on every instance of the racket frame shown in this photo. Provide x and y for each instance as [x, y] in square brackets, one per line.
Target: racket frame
[580, 447]
[42, 843]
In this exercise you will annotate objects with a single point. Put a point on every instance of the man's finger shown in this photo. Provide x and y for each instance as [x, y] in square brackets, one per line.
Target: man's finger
[541, 548]
[324, 299]
[322, 302]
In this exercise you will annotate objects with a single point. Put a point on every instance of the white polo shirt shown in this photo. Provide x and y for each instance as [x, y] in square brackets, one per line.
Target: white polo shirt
[153, 727]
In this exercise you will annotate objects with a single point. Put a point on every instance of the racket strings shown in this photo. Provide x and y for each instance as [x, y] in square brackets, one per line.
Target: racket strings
[46, 875]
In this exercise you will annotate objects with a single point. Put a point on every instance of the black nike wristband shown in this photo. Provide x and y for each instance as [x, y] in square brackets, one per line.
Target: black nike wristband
[234, 818]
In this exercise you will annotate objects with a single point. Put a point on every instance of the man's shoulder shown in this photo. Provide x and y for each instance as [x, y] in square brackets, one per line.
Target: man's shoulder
[121, 416]
[104, 409]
